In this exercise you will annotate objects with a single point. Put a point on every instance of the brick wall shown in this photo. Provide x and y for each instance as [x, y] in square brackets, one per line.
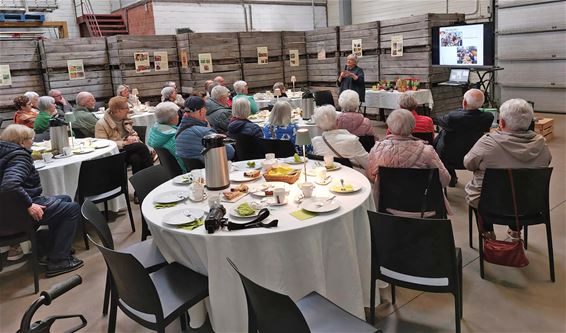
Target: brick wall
[139, 19]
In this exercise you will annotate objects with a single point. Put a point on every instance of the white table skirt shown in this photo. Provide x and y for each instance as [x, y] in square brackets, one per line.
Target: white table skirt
[264, 103]
[390, 99]
[329, 253]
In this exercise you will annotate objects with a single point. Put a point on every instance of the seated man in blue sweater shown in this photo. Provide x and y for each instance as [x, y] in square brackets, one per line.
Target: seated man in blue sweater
[192, 129]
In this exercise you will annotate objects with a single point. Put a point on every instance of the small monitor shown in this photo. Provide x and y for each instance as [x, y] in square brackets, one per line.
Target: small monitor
[459, 75]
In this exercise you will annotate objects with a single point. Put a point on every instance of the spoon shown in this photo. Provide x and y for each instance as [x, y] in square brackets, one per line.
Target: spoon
[322, 203]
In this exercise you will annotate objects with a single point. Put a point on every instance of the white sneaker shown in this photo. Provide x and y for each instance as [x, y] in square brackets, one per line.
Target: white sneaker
[15, 253]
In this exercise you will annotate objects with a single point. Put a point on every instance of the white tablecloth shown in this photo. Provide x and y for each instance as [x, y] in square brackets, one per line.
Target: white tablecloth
[390, 99]
[329, 253]
[264, 103]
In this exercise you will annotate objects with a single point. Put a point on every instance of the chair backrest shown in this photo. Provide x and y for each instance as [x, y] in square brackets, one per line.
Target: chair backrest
[323, 97]
[405, 189]
[281, 148]
[271, 311]
[148, 179]
[413, 252]
[248, 148]
[132, 282]
[15, 217]
[456, 146]
[368, 141]
[141, 130]
[96, 220]
[169, 162]
[79, 134]
[193, 163]
[532, 194]
[343, 161]
[426, 136]
[102, 175]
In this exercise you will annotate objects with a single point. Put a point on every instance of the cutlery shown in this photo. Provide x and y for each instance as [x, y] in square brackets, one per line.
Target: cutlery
[342, 182]
[322, 203]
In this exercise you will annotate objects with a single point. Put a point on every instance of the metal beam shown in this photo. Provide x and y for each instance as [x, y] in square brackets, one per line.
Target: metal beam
[60, 25]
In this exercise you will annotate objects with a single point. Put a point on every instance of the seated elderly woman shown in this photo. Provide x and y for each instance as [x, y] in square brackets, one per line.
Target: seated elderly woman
[85, 120]
[337, 142]
[423, 124]
[33, 98]
[116, 126]
[281, 87]
[124, 91]
[241, 90]
[47, 111]
[179, 100]
[60, 213]
[24, 114]
[279, 124]
[169, 94]
[239, 123]
[162, 133]
[350, 119]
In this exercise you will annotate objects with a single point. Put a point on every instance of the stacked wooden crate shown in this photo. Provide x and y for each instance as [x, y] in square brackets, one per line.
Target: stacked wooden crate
[295, 40]
[225, 54]
[369, 61]
[545, 127]
[92, 51]
[323, 73]
[261, 76]
[121, 50]
[25, 68]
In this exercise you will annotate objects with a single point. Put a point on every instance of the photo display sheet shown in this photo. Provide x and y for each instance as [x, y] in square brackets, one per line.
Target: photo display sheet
[461, 45]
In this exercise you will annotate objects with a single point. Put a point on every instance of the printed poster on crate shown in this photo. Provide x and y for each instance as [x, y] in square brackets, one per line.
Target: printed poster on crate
[262, 55]
[5, 75]
[205, 62]
[141, 61]
[76, 69]
[357, 47]
[184, 59]
[397, 46]
[321, 54]
[161, 61]
[294, 58]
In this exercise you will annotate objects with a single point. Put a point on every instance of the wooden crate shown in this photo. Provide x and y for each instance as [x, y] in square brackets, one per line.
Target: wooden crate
[121, 49]
[369, 61]
[25, 69]
[545, 127]
[93, 53]
[322, 72]
[417, 48]
[295, 40]
[446, 99]
[327, 37]
[261, 76]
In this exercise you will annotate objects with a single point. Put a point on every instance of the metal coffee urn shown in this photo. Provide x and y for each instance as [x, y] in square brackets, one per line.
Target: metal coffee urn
[216, 161]
[59, 135]
[307, 104]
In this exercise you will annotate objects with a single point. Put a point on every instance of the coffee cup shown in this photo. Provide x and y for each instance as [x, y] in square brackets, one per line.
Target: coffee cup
[320, 173]
[279, 195]
[328, 161]
[268, 164]
[269, 156]
[307, 189]
[197, 191]
[67, 151]
[47, 157]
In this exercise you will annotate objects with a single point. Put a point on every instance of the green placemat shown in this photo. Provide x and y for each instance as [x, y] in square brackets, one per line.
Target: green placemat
[302, 214]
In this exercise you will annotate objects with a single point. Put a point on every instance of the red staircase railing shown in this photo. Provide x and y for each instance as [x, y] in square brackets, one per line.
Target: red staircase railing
[89, 18]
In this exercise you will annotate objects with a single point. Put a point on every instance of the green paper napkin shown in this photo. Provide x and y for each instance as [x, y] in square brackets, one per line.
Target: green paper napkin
[302, 214]
[164, 205]
[192, 225]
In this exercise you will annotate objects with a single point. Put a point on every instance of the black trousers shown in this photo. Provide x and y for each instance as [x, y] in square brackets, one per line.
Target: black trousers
[138, 156]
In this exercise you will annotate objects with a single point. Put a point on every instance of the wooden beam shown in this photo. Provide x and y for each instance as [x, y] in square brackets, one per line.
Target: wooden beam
[60, 25]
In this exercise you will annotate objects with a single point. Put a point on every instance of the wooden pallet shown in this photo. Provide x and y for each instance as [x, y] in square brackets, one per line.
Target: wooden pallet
[323, 72]
[295, 40]
[261, 76]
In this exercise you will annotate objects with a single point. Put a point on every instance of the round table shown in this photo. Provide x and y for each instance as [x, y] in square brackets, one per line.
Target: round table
[329, 253]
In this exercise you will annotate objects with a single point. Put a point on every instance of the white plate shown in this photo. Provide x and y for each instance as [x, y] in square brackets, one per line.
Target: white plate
[234, 212]
[273, 202]
[171, 197]
[291, 160]
[39, 164]
[183, 216]
[243, 166]
[84, 150]
[60, 156]
[333, 188]
[318, 164]
[185, 179]
[242, 194]
[101, 144]
[326, 181]
[311, 205]
[238, 176]
[259, 190]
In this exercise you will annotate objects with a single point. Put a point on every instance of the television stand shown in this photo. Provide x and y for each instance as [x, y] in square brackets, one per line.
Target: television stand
[485, 83]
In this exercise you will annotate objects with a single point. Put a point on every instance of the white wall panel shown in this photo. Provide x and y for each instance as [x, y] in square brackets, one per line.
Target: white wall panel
[550, 16]
[550, 100]
[291, 18]
[533, 73]
[540, 45]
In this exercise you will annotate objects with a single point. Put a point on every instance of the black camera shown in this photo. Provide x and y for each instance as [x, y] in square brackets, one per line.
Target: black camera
[215, 218]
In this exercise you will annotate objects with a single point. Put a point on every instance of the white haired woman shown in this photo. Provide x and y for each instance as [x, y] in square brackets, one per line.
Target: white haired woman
[279, 124]
[179, 100]
[350, 119]
[336, 142]
[352, 77]
[123, 90]
[241, 90]
[47, 110]
[239, 123]
[34, 99]
[162, 133]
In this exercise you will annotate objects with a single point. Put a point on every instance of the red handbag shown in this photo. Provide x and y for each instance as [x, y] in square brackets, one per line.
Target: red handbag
[502, 252]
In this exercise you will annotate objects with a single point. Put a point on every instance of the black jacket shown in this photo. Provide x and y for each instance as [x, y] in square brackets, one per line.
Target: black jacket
[358, 85]
[17, 172]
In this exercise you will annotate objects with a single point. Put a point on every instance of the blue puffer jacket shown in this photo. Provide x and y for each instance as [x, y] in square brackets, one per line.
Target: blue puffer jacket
[189, 141]
[243, 126]
[17, 172]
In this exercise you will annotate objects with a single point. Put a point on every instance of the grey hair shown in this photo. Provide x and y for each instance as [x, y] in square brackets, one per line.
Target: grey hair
[53, 92]
[349, 101]
[219, 91]
[325, 117]
[241, 108]
[408, 101]
[170, 84]
[474, 99]
[517, 114]
[401, 122]
[82, 97]
[165, 111]
[45, 102]
[280, 114]
[353, 56]
[239, 86]
[280, 86]
[121, 88]
[166, 93]
[31, 94]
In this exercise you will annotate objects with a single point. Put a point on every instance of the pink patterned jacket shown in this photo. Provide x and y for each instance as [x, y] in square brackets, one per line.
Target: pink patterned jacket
[355, 123]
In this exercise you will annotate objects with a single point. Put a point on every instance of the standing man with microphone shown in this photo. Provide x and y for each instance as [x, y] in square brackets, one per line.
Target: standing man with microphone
[352, 77]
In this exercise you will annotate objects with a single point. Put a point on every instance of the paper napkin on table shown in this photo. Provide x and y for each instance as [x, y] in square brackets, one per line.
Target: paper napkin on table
[164, 205]
[192, 225]
[302, 214]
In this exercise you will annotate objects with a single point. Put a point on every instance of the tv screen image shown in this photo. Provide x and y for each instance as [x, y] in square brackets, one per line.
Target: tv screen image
[463, 45]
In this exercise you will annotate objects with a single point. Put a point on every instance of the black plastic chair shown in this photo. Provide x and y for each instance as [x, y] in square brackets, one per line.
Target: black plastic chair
[343, 161]
[16, 227]
[368, 141]
[416, 254]
[249, 148]
[323, 97]
[141, 130]
[145, 252]
[425, 136]
[269, 311]
[169, 162]
[153, 300]
[144, 182]
[532, 187]
[111, 184]
[411, 190]
[281, 148]
[78, 133]
[192, 164]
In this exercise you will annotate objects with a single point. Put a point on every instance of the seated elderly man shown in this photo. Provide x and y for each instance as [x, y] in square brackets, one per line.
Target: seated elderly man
[423, 124]
[179, 100]
[218, 112]
[337, 142]
[239, 124]
[47, 111]
[124, 91]
[85, 120]
[460, 131]
[60, 213]
[241, 90]
[162, 133]
[350, 119]
[219, 80]
[193, 128]
[512, 146]
[60, 102]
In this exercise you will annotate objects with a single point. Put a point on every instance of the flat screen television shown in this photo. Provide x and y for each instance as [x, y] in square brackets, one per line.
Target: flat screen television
[469, 45]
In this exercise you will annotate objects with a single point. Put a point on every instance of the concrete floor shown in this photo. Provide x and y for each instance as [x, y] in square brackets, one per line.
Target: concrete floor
[508, 300]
